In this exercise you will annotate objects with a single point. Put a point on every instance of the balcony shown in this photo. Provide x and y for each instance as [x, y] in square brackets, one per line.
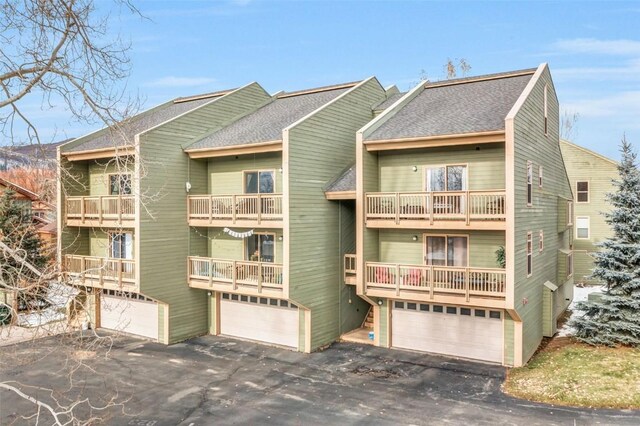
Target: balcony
[241, 210]
[100, 272]
[101, 210]
[243, 277]
[350, 269]
[485, 287]
[436, 210]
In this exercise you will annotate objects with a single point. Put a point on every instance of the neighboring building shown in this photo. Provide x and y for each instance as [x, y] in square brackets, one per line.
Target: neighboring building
[289, 218]
[591, 177]
[446, 176]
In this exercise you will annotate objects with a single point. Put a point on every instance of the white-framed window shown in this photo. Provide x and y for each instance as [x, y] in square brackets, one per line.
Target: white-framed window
[546, 108]
[539, 176]
[541, 241]
[529, 183]
[582, 191]
[446, 250]
[120, 184]
[121, 245]
[569, 264]
[259, 182]
[260, 247]
[569, 213]
[446, 178]
[582, 227]
[529, 254]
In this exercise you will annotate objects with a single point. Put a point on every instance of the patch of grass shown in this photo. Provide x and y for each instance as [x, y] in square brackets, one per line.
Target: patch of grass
[579, 375]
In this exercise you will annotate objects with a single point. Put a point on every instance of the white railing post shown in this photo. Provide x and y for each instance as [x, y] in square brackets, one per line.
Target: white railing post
[467, 205]
[431, 282]
[397, 279]
[397, 208]
[467, 280]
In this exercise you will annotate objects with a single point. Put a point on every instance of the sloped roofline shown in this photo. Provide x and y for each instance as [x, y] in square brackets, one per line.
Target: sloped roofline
[588, 151]
[31, 195]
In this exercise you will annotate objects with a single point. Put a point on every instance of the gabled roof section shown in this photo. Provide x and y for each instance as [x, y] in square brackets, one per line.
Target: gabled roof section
[145, 120]
[345, 182]
[391, 99]
[587, 151]
[453, 107]
[20, 190]
[267, 123]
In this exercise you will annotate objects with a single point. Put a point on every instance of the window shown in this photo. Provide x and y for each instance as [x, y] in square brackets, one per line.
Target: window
[529, 254]
[465, 311]
[480, 313]
[260, 248]
[569, 264]
[446, 178]
[582, 227]
[121, 245]
[446, 250]
[539, 176]
[546, 120]
[398, 305]
[569, 213]
[529, 183]
[582, 192]
[120, 184]
[260, 182]
[495, 314]
[412, 306]
[541, 242]
[438, 308]
[452, 310]
[424, 307]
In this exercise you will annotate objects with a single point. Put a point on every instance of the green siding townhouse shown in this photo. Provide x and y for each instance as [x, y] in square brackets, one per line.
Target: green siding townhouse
[590, 175]
[350, 210]
[445, 177]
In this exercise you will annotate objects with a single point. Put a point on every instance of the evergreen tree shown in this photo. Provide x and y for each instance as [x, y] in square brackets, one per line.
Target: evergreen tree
[18, 233]
[615, 319]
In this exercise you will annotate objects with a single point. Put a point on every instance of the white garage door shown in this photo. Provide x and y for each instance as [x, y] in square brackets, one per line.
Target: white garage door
[133, 314]
[258, 318]
[450, 330]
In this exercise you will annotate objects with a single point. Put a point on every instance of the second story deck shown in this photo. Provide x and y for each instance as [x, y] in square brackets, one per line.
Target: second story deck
[436, 210]
[248, 210]
[100, 211]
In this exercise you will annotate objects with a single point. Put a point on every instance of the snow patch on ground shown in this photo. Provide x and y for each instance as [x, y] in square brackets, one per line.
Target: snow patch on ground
[580, 294]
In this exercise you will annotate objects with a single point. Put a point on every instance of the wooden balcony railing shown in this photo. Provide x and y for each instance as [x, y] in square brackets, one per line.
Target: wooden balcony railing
[99, 209]
[350, 268]
[101, 271]
[429, 279]
[259, 276]
[234, 208]
[462, 206]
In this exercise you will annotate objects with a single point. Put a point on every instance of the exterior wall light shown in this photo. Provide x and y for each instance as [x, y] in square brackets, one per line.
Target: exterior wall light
[415, 168]
[414, 238]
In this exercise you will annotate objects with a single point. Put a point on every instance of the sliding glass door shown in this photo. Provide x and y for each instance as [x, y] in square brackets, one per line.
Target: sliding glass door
[446, 250]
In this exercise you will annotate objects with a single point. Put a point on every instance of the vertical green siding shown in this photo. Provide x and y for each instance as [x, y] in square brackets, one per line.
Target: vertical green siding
[352, 308]
[397, 246]
[485, 166]
[531, 144]
[226, 173]
[164, 233]
[320, 147]
[585, 165]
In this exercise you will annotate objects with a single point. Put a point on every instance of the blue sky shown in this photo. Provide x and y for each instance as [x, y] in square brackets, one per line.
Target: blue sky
[189, 47]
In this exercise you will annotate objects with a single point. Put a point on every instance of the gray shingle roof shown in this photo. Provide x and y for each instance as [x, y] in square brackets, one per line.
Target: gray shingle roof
[390, 101]
[143, 121]
[266, 124]
[345, 182]
[464, 107]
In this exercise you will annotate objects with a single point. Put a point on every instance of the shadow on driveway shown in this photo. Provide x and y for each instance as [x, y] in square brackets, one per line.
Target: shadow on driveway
[215, 380]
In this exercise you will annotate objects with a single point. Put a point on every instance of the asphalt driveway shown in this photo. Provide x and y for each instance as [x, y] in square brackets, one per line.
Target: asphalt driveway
[215, 380]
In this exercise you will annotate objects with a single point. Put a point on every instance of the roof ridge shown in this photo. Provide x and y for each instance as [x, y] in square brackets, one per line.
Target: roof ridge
[203, 96]
[478, 78]
[319, 89]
